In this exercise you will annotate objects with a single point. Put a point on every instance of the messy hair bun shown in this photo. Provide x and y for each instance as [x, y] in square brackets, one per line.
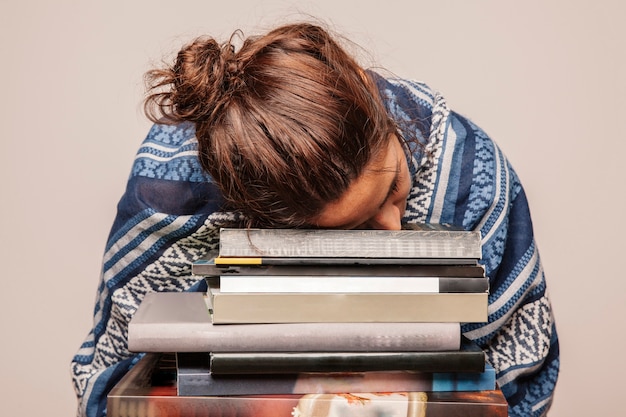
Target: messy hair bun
[284, 124]
[198, 82]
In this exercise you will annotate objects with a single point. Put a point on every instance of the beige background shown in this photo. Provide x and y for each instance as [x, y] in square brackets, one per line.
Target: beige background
[545, 79]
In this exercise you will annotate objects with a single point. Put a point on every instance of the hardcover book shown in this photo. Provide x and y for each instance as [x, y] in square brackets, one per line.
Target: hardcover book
[230, 308]
[207, 266]
[426, 241]
[149, 390]
[194, 377]
[470, 358]
[346, 278]
[180, 322]
[262, 260]
[356, 284]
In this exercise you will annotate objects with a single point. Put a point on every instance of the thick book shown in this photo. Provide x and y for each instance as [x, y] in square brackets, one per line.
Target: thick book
[427, 241]
[231, 308]
[194, 377]
[180, 322]
[346, 278]
[470, 358]
[150, 391]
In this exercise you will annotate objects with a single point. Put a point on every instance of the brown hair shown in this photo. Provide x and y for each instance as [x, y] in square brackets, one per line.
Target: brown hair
[284, 124]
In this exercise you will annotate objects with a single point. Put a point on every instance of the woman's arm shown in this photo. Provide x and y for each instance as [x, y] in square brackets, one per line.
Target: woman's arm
[462, 177]
[167, 218]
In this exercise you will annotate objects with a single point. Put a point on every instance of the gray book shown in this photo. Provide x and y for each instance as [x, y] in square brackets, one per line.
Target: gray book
[426, 241]
[180, 322]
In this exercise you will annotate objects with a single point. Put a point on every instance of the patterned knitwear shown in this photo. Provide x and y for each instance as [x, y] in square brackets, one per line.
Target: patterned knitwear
[169, 216]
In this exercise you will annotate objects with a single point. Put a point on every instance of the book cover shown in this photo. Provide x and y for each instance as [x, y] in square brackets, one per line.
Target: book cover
[231, 308]
[470, 358]
[423, 241]
[180, 322]
[194, 377]
[150, 391]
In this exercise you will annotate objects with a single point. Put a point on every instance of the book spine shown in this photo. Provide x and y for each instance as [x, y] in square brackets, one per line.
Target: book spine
[351, 284]
[180, 322]
[209, 267]
[200, 269]
[287, 337]
[230, 308]
[292, 363]
[149, 390]
[195, 378]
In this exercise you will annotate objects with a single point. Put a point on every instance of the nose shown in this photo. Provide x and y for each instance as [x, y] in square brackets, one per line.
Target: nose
[388, 218]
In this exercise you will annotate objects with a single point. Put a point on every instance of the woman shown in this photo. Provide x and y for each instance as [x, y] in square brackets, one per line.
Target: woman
[289, 131]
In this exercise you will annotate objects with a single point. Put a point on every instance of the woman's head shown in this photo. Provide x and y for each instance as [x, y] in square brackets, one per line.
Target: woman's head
[285, 124]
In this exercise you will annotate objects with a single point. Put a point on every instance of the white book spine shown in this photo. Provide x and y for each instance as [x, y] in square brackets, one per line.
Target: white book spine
[324, 284]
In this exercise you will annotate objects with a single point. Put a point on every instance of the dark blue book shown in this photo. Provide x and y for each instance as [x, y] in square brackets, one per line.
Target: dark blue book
[194, 377]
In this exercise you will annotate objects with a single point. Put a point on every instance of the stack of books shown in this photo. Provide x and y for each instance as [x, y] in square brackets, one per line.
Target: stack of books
[321, 323]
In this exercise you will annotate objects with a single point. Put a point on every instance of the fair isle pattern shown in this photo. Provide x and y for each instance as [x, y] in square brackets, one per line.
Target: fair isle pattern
[423, 166]
[169, 272]
[489, 198]
[425, 182]
[459, 176]
[170, 153]
[518, 335]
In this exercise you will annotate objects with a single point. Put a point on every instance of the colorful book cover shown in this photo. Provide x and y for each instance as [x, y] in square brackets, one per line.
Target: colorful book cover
[149, 391]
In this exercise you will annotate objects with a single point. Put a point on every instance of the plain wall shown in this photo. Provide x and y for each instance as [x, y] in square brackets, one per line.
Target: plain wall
[544, 79]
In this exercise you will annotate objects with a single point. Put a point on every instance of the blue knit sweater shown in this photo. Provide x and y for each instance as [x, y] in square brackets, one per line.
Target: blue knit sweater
[170, 215]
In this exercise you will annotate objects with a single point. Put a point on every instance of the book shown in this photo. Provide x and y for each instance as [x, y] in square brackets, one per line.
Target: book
[260, 260]
[356, 284]
[194, 377]
[180, 322]
[230, 308]
[470, 358]
[207, 266]
[346, 278]
[149, 390]
[428, 241]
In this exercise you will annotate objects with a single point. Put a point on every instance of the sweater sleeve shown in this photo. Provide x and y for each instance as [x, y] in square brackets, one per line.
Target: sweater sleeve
[483, 192]
[520, 338]
[462, 177]
[167, 218]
